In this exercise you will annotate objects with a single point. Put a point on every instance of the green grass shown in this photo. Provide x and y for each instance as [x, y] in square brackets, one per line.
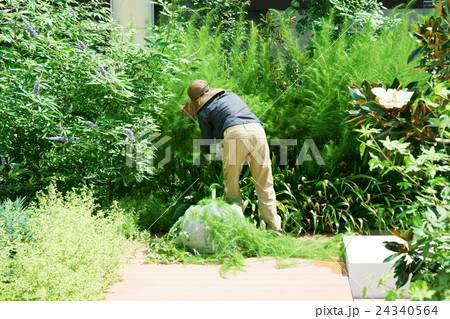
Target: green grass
[236, 238]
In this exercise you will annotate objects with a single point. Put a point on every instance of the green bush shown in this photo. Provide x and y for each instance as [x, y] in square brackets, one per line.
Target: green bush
[406, 134]
[424, 257]
[225, 14]
[74, 255]
[72, 81]
[355, 12]
[15, 220]
[149, 212]
[316, 108]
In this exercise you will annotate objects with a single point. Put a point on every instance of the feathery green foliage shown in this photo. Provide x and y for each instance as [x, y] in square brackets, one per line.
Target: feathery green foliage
[236, 238]
[294, 96]
[317, 106]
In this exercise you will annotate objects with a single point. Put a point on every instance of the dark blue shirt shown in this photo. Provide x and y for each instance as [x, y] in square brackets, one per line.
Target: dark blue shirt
[222, 111]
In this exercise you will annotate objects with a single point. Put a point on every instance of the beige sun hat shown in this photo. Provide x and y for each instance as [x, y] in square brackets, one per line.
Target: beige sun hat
[199, 93]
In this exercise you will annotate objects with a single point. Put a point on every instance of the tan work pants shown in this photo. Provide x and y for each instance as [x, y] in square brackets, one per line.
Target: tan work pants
[249, 141]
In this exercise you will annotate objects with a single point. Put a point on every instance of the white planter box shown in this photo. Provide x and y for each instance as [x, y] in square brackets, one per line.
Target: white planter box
[364, 258]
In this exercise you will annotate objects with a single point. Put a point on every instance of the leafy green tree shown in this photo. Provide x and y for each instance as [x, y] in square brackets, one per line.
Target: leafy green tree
[356, 12]
[74, 90]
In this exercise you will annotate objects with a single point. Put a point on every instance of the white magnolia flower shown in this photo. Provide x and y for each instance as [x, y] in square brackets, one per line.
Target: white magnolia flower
[392, 99]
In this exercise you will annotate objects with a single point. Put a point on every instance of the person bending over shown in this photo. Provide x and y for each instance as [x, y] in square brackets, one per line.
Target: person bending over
[225, 116]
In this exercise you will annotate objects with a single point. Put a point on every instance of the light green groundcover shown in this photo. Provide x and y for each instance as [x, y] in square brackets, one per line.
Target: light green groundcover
[73, 250]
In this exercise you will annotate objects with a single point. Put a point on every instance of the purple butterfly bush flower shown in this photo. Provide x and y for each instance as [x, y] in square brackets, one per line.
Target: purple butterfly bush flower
[89, 123]
[102, 70]
[90, 177]
[191, 56]
[36, 87]
[59, 139]
[129, 133]
[70, 109]
[58, 126]
[72, 139]
[82, 45]
[3, 160]
[30, 29]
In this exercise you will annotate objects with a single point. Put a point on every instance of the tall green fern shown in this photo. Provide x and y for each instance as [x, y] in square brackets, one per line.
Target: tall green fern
[317, 107]
[296, 98]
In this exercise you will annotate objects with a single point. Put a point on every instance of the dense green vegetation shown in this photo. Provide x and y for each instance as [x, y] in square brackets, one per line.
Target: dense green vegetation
[58, 249]
[297, 97]
[82, 106]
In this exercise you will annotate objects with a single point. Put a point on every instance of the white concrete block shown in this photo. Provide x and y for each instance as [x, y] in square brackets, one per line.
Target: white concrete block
[364, 263]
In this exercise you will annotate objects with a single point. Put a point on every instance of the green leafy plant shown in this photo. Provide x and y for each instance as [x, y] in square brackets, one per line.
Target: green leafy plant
[354, 203]
[400, 113]
[149, 213]
[356, 12]
[315, 108]
[72, 81]
[221, 15]
[433, 38]
[424, 256]
[415, 148]
[75, 254]
[16, 220]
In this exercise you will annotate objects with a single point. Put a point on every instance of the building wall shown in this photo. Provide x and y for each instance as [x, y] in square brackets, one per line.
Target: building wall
[138, 13]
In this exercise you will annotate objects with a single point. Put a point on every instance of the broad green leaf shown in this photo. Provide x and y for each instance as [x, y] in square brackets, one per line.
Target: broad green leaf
[415, 54]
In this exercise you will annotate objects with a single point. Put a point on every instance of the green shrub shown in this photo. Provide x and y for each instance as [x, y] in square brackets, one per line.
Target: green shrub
[149, 212]
[424, 256]
[71, 82]
[316, 108]
[222, 14]
[75, 254]
[356, 12]
[15, 220]
[353, 203]
[406, 134]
